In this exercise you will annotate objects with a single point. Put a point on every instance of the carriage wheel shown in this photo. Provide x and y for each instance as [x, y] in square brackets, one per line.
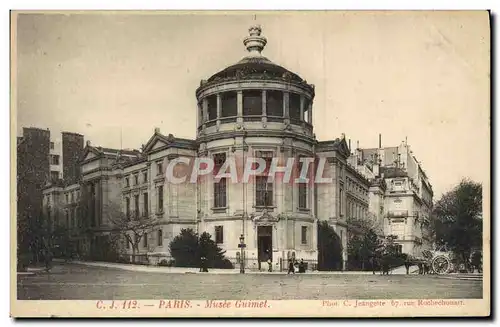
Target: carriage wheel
[441, 265]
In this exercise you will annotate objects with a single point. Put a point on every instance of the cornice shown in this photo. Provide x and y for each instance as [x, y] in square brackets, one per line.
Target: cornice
[255, 133]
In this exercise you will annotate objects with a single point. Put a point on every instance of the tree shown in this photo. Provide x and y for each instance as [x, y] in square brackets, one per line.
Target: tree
[458, 218]
[329, 248]
[132, 228]
[364, 244]
[187, 248]
[184, 249]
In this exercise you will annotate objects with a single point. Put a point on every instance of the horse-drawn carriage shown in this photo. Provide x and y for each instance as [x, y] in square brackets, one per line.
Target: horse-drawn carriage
[438, 261]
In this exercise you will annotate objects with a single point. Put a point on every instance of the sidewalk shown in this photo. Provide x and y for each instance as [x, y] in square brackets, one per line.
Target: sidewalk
[182, 270]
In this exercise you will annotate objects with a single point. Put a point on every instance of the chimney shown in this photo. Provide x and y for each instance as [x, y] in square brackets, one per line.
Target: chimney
[376, 169]
[88, 143]
[380, 141]
[157, 130]
[357, 145]
[349, 145]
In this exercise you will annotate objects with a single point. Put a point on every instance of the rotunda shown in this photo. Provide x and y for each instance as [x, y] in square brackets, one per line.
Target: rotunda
[256, 108]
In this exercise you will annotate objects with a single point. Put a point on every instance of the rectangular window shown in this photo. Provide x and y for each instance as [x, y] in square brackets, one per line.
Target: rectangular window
[72, 197]
[220, 186]
[160, 199]
[274, 103]
[159, 168]
[341, 197]
[294, 106]
[54, 159]
[67, 198]
[229, 104]
[67, 219]
[212, 107]
[220, 193]
[127, 208]
[304, 235]
[145, 239]
[252, 103]
[160, 237]
[302, 188]
[219, 234]
[137, 210]
[54, 175]
[264, 188]
[127, 182]
[146, 205]
[136, 179]
[145, 176]
[52, 145]
[303, 195]
[263, 192]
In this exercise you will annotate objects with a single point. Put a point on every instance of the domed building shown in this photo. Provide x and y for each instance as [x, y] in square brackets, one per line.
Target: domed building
[256, 108]
[253, 110]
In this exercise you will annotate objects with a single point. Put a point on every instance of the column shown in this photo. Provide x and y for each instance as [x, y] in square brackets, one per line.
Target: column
[309, 113]
[219, 109]
[286, 107]
[205, 111]
[239, 104]
[199, 114]
[314, 236]
[264, 106]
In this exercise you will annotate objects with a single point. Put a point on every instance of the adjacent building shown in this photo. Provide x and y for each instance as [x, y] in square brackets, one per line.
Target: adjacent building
[42, 160]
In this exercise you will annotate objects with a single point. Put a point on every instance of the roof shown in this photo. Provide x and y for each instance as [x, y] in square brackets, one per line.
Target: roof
[391, 172]
[255, 67]
[339, 145]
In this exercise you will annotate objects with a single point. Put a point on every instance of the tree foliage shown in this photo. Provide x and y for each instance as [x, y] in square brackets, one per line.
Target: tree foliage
[188, 247]
[131, 228]
[457, 218]
[364, 245]
[329, 248]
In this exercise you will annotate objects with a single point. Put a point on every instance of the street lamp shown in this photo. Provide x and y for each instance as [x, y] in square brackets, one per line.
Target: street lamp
[242, 258]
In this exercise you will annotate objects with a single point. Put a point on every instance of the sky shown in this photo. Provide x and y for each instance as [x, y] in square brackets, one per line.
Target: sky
[114, 77]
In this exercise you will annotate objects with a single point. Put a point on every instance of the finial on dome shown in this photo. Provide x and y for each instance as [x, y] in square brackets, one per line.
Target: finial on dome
[255, 43]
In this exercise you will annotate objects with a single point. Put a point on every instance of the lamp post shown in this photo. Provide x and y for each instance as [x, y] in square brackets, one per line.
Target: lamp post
[242, 258]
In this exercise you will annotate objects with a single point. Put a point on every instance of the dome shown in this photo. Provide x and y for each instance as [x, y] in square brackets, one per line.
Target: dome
[255, 65]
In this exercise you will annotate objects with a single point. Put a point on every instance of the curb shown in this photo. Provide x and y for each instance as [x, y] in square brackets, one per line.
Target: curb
[165, 270]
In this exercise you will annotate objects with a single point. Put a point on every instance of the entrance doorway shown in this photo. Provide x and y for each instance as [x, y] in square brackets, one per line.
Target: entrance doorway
[265, 243]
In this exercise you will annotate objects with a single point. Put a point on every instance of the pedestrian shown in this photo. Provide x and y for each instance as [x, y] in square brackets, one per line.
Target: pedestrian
[203, 265]
[270, 265]
[291, 268]
[407, 266]
[48, 260]
[302, 266]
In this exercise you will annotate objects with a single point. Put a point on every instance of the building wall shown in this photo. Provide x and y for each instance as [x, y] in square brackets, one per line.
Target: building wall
[72, 149]
[32, 176]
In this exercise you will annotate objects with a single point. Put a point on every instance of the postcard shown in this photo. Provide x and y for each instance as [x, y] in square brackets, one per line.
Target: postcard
[250, 163]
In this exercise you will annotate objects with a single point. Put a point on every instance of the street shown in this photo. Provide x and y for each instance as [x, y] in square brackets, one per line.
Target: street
[77, 282]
